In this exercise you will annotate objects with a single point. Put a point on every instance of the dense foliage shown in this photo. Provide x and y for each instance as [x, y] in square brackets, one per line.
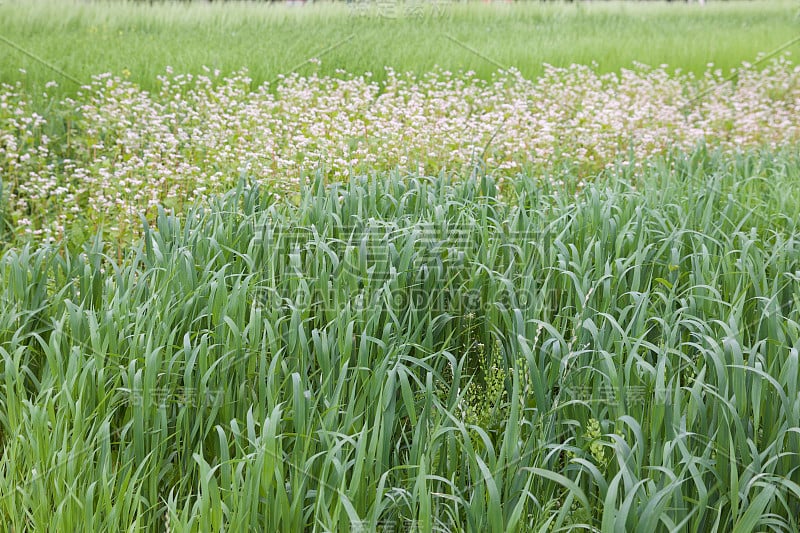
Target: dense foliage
[405, 351]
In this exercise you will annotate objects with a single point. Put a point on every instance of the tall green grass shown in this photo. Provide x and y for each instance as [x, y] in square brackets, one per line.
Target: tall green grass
[414, 352]
[87, 38]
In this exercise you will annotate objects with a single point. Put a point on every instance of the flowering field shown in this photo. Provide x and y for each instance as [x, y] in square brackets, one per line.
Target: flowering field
[116, 151]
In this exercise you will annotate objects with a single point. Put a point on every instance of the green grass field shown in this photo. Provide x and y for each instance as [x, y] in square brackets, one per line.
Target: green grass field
[84, 39]
[438, 303]
[421, 354]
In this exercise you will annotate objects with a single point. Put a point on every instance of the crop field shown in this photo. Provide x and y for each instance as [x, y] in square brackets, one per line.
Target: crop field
[85, 38]
[526, 275]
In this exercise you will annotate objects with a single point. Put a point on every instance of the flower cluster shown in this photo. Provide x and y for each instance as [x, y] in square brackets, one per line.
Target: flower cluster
[593, 436]
[116, 151]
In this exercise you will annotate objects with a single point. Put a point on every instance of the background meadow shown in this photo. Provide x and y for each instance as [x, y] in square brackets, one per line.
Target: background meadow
[84, 39]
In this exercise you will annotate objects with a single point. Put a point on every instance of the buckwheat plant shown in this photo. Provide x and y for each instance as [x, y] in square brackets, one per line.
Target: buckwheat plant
[115, 150]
